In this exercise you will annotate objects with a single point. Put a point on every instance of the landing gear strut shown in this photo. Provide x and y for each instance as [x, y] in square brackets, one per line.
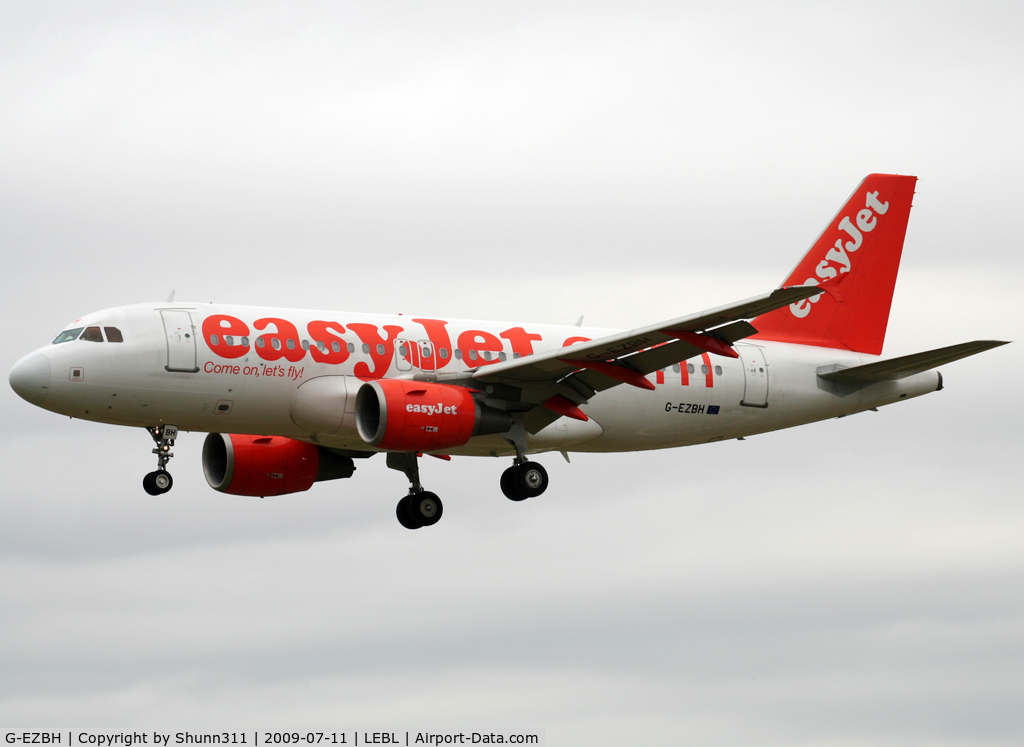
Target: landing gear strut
[159, 482]
[420, 508]
[524, 479]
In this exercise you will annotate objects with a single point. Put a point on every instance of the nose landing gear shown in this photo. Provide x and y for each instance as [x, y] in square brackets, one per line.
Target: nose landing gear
[160, 481]
[420, 508]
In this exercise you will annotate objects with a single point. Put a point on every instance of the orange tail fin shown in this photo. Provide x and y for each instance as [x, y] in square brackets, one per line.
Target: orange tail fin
[855, 260]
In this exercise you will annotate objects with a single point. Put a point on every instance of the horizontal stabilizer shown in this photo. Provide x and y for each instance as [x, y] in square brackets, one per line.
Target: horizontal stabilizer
[907, 365]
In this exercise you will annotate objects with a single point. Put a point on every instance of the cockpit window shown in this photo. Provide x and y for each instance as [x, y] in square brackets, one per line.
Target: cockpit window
[92, 334]
[113, 334]
[68, 335]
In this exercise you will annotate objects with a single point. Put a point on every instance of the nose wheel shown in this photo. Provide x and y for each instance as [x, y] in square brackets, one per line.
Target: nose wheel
[157, 483]
[160, 481]
[524, 480]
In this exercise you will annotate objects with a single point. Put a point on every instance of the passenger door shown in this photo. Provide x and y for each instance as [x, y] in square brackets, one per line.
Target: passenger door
[181, 341]
[755, 376]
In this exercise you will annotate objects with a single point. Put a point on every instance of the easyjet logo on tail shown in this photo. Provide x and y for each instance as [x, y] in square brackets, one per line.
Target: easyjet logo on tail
[838, 259]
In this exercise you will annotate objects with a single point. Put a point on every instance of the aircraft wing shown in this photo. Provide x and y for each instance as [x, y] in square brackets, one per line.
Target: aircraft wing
[571, 375]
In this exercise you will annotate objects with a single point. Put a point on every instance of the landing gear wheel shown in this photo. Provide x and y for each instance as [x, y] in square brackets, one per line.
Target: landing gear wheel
[425, 508]
[163, 480]
[157, 483]
[417, 510]
[404, 514]
[508, 486]
[529, 479]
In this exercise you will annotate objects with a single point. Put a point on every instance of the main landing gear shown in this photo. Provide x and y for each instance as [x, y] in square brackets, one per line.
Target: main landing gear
[159, 482]
[524, 479]
[420, 508]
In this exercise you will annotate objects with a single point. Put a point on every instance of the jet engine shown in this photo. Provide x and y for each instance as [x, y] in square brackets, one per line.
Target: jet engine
[402, 415]
[268, 465]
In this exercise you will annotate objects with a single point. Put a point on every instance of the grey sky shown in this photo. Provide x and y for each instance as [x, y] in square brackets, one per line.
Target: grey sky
[853, 582]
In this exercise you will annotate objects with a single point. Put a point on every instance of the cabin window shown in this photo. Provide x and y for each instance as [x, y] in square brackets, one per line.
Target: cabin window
[275, 343]
[675, 368]
[245, 342]
[113, 334]
[229, 339]
[214, 340]
[260, 342]
[403, 350]
[305, 344]
[426, 351]
[351, 348]
[487, 355]
[458, 354]
[68, 335]
[380, 349]
[515, 355]
[718, 370]
[290, 343]
[472, 355]
[501, 356]
[92, 334]
[443, 352]
[689, 368]
[335, 346]
[704, 369]
[366, 348]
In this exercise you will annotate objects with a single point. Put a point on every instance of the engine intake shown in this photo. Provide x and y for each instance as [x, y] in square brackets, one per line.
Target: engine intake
[268, 465]
[402, 415]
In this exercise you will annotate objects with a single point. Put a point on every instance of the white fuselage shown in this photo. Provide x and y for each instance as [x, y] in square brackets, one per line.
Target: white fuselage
[168, 369]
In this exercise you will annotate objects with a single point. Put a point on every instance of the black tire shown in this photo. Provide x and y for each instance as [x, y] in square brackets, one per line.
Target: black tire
[163, 481]
[529, 479]
[426, 508]
[404, 513]
[149, 484]
[508, 485]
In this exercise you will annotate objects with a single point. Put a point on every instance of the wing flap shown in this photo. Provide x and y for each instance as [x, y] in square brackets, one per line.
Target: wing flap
[907, 365]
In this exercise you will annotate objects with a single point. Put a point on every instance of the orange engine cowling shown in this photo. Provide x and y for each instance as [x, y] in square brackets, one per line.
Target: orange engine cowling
[402, 415]
[268, 465]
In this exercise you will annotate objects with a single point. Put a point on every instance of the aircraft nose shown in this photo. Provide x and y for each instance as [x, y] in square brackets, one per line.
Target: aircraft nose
[30, 378]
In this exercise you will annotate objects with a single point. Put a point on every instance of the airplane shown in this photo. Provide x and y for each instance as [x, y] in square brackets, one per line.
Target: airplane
[289, 397]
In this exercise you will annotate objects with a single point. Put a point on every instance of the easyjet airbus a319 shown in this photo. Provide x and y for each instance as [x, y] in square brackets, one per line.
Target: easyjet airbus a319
[290, 397]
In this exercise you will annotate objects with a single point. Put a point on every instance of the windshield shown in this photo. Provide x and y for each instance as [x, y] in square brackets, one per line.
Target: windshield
[68, 335]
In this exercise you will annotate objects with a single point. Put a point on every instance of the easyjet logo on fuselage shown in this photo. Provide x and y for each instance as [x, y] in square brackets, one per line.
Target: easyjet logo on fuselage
[325, 342]
[838, 259]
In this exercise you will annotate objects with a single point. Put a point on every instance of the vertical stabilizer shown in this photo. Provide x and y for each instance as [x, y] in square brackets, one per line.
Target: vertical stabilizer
[855, 261]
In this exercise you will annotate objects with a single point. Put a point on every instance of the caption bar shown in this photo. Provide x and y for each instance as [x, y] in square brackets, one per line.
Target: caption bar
[86, 738]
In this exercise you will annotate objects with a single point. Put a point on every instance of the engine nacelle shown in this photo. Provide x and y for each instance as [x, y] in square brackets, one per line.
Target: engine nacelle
[268, 465]
[402, 415]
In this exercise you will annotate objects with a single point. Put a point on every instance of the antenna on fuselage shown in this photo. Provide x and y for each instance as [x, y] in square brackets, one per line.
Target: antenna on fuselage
[170, 298]
[579, 322]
